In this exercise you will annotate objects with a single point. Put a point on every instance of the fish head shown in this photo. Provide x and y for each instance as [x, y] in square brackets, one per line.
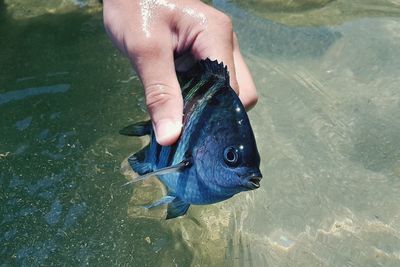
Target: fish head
[228, 157]
[241, 167]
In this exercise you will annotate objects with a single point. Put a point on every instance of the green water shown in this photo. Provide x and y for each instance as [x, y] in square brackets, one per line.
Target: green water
[327, 126]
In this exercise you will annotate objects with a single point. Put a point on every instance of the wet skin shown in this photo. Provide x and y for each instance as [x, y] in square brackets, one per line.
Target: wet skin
[152, 33]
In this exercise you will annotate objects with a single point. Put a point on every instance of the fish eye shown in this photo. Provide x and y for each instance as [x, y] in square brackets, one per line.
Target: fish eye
[231, 156]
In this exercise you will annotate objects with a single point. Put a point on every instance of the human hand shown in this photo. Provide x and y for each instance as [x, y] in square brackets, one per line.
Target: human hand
[152, 32]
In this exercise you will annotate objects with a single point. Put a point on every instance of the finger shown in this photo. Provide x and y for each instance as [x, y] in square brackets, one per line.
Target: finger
[115, 18]
[248, 93]
[154, 63]
[216, 43]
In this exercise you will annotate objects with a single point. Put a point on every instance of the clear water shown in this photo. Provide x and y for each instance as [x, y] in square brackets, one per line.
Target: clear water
[327, 126]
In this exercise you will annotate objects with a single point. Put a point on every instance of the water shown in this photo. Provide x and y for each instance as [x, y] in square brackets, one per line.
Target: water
[327, 126]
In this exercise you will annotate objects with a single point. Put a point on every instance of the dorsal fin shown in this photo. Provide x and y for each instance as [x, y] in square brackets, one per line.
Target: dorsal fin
[205, 75]
[203, 69]
[215, 69]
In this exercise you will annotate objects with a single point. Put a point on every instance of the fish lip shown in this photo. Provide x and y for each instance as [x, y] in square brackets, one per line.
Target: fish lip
[253, 180]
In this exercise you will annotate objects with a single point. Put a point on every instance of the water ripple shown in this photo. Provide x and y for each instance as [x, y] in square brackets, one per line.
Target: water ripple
[33, 91]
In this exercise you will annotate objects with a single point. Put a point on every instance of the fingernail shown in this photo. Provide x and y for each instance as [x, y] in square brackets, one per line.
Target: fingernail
[167, 131]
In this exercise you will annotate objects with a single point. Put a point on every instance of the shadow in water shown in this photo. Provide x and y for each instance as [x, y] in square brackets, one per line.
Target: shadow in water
[264, 37]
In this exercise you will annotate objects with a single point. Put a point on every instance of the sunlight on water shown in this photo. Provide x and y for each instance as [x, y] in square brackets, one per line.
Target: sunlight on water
[327, 126]
[330, 122]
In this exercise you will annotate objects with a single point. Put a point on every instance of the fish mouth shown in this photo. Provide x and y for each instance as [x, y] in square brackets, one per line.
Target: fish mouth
[253, 181]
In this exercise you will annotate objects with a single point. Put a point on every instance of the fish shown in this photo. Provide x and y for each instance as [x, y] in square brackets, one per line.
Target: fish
[216, 155]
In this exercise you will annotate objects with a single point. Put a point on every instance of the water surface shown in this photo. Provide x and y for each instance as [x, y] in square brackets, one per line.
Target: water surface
[327, 126]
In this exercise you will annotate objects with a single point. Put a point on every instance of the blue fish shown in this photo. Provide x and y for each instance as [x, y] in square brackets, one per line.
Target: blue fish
[216, 155]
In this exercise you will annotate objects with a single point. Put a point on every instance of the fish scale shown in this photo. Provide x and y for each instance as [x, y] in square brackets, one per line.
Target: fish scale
[216, 155]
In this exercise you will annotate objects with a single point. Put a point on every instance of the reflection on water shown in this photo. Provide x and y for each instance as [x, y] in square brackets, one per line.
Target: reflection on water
[327, 126]
[320, 12]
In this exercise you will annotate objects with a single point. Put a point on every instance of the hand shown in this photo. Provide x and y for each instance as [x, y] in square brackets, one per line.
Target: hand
[152, 32]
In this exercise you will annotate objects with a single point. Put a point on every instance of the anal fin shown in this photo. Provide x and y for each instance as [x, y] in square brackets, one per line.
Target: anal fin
[177, 208]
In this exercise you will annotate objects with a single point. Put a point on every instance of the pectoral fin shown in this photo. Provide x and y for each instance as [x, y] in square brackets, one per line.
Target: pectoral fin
[177, 208]
[170, 169]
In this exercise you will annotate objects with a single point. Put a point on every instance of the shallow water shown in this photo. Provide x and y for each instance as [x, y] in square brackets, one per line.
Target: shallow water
[327, 126]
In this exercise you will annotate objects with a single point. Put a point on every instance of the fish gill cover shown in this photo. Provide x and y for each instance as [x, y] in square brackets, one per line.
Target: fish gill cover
[216, 155]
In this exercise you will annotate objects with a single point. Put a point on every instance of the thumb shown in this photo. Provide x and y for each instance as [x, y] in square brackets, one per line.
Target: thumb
[155, 66]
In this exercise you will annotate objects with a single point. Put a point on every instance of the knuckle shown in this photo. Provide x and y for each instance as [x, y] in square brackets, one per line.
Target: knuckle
[225, 21]
[158, 95]
[141, 47]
